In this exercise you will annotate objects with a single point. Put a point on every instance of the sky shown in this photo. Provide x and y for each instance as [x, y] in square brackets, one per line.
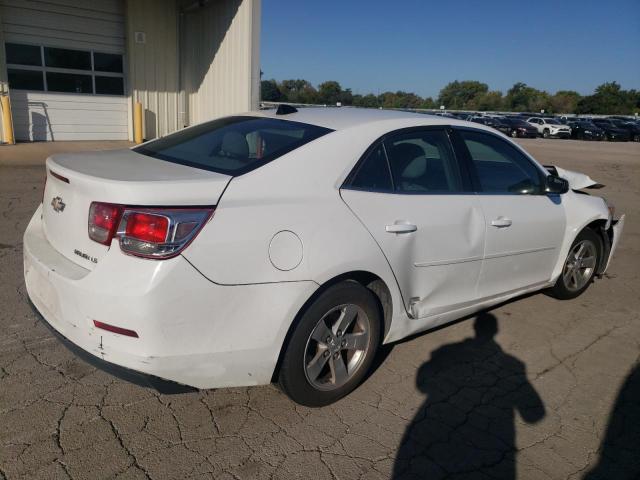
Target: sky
[419, 46]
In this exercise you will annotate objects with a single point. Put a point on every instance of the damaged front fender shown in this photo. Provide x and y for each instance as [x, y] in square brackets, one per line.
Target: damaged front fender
[577, 180]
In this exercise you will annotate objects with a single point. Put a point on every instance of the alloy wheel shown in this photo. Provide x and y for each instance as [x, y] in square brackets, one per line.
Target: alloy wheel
[580, 265]
[337, 346]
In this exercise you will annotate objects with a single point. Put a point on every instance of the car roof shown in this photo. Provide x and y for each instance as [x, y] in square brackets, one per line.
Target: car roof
[338, 118]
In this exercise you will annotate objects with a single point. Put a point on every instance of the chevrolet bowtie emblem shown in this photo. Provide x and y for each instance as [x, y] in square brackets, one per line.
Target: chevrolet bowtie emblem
[57, 204]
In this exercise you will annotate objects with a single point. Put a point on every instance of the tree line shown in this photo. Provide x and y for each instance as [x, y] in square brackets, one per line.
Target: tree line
[608, 98]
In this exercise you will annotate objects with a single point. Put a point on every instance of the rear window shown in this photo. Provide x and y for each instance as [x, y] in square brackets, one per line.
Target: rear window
[232, 145]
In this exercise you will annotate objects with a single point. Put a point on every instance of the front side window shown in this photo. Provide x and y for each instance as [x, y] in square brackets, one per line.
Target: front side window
[232, 145]
[500, 167]
[423, 162]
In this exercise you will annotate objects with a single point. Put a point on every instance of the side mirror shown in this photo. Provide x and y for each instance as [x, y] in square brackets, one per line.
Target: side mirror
[556, 185]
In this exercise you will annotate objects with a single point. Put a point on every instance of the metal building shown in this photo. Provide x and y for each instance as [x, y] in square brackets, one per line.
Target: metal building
[74, 68]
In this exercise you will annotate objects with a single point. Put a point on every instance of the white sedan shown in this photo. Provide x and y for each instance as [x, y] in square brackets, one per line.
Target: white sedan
[288, 245]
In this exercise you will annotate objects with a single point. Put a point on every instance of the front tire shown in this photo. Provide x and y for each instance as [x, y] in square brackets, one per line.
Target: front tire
[545, 133]
[333, 345]
[579, 267]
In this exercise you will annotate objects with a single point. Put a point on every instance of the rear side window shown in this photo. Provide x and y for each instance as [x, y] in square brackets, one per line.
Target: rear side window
[373, 173]
[232, 145]
[423, 162]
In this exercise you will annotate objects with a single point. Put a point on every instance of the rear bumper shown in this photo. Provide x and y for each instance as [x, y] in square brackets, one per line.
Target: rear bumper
[190, 330]
[123, 373]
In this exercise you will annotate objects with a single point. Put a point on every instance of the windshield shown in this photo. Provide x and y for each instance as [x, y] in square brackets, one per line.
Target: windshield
[232, 145]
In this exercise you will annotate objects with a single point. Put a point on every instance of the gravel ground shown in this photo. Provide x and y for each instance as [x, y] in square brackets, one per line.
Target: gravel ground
[534, 389]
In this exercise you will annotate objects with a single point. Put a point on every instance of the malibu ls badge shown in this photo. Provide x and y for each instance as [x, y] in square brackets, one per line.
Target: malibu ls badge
[57, 204]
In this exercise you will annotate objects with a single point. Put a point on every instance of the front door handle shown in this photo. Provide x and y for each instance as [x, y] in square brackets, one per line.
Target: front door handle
[401, 228]
[501, 222]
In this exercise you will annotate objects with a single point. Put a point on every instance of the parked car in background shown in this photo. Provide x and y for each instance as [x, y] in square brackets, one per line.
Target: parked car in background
[612, 132]
[291, 244]
[446, 115]
[632, 127]
[582, 129]
[464, 115]
[492, 122]
[519, 128]
[550, 127]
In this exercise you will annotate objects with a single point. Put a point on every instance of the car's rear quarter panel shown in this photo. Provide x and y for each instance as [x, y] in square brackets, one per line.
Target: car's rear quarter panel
[300, 193]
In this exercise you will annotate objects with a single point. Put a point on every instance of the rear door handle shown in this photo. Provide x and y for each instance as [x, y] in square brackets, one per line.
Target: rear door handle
[401, 228]
[501, 222]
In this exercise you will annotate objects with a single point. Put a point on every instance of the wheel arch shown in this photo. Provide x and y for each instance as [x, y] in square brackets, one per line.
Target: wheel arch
[367, 279]
[600, 228]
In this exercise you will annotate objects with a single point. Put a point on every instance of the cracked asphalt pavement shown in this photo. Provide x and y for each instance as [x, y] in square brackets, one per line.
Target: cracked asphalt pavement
[534, 389]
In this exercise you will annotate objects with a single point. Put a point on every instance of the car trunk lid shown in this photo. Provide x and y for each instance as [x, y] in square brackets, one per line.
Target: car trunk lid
[119, 176]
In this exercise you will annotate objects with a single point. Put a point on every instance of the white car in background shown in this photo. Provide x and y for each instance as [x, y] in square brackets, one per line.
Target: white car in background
[289, 245]
[550, 127]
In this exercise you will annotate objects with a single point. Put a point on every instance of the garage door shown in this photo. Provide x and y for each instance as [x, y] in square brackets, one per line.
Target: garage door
[65, 66]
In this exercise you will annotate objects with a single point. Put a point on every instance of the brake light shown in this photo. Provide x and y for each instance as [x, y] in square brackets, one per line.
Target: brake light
[104, 219]
[147, 232]
[147, 227]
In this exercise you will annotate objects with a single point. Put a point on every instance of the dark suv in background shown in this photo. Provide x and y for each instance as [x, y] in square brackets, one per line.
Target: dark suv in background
[632, 127]
[584, 129]
[611, 131]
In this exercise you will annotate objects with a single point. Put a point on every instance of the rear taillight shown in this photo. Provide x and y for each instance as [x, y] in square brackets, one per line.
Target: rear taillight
[147, 227]
[104, 219]
[146, 232]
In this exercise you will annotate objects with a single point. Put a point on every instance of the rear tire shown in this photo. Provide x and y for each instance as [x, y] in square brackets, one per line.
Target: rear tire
[333, 345]
[579, 267]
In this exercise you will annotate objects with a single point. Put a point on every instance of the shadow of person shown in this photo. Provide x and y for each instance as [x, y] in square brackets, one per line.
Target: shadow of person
[466, 426]
[620, 450]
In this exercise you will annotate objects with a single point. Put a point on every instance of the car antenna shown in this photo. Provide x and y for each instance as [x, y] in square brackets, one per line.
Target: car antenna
[285, 109]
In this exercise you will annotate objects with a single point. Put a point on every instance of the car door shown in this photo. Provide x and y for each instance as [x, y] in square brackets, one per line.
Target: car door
[524, 226]
[536, 123]
[412, 195]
